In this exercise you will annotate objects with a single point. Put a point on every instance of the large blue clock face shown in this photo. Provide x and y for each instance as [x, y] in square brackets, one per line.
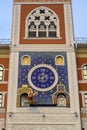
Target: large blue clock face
[43, 77]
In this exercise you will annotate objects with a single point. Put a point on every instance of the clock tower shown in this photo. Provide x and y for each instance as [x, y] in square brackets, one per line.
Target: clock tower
[43, 89]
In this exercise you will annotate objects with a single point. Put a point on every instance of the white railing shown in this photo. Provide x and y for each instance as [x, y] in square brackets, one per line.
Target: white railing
[5, 41]
[80, 40]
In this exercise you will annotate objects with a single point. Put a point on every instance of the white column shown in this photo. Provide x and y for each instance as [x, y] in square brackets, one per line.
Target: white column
[68, 23]
[12, 86]
[16, 24]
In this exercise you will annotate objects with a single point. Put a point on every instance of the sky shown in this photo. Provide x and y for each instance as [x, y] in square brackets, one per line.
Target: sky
[79, 10]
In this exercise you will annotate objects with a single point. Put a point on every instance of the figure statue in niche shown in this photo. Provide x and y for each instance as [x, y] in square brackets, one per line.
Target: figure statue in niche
[61, 100]
[26, 60]
[30, 97]
[59, 60]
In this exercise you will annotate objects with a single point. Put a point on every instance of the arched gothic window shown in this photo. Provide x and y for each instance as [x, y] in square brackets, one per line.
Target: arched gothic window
[59, 60]
[1, 72]
[26, 60]
[84, 72]
[42, 22]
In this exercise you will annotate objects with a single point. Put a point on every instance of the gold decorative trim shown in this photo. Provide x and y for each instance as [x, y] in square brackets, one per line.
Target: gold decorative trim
[58, 92]
[24, 89]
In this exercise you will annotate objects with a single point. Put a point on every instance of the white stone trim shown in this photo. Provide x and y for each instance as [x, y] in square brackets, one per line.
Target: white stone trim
[3, 82]
[82, 81]
[73, 82]
[68, 24]
[12, 86]
[43, 127]
[43, 47]
[73, 85]
[50, 2]
[16, 24]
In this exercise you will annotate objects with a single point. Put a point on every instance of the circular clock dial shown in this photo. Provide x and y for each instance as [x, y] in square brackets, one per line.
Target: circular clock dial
[43, 77]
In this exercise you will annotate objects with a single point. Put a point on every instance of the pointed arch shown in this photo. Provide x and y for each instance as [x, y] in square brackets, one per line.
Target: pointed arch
[42, 22]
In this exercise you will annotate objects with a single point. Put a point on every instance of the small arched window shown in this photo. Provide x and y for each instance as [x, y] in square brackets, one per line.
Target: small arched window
[84, 72]
[26, 60]
[24, 100]
[1, 73]
[59, 60]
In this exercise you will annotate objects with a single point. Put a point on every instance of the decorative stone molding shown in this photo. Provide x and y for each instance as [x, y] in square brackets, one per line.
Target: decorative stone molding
[42, 118]
[43, 127]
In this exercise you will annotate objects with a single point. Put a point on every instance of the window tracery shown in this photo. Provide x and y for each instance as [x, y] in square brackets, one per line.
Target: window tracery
[42, 22]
